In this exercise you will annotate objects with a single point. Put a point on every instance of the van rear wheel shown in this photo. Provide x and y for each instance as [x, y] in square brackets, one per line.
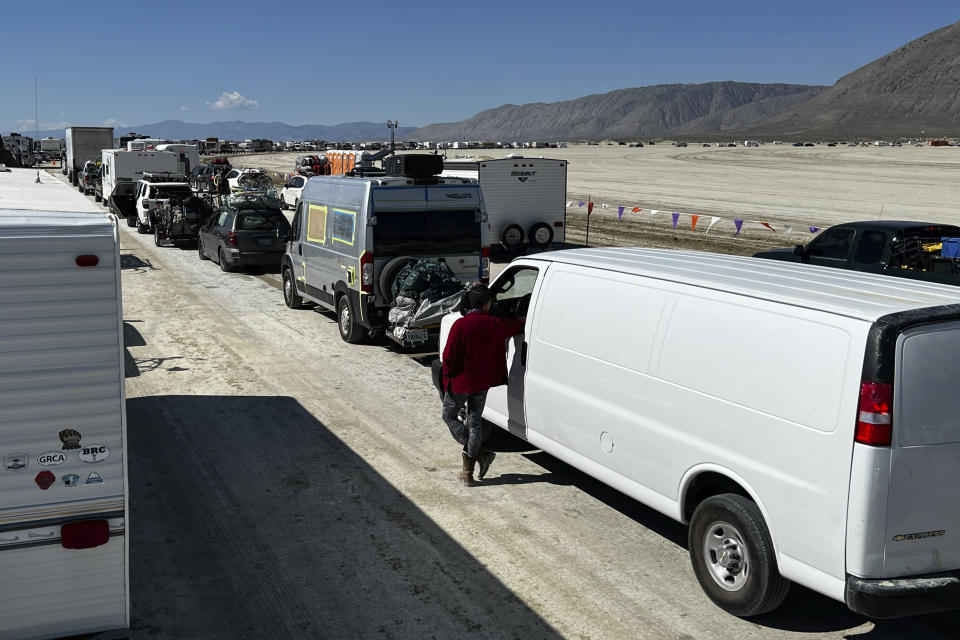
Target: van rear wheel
[733, 557]
[350, 331]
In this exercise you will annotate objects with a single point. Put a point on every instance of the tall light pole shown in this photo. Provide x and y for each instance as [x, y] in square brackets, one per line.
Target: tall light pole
[36, 121]
[392, 125]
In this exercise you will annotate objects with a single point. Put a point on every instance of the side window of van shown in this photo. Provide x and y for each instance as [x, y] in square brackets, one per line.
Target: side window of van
[295, 225]
[316, 224]
[513, 290]
[343, 226]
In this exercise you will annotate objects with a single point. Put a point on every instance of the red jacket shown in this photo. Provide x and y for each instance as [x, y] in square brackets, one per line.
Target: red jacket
[475, 357]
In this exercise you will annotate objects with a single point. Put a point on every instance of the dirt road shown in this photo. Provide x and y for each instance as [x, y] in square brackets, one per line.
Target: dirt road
[789, 187]
[285, 484]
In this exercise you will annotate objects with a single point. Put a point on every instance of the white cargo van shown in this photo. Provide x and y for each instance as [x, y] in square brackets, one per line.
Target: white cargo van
[63, 475]
[801, 420]
[525, 197]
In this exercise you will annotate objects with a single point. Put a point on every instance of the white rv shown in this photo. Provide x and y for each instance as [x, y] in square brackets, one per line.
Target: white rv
[63, 474]
[120, 165]
[525, 197]
[188, 156]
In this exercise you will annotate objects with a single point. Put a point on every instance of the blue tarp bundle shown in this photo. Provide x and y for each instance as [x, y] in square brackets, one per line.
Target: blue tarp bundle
[951, 247]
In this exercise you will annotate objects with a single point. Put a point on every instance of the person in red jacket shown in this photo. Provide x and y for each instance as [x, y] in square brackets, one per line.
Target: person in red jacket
[474, 359]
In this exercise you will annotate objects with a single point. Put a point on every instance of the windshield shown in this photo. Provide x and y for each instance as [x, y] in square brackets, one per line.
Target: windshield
[426, 233]
[261, 220]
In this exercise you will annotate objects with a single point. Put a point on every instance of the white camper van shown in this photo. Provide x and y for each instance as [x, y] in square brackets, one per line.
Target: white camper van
[525, 197]
[63, 513]
[802, 420]
[120, 165]
[188, 156]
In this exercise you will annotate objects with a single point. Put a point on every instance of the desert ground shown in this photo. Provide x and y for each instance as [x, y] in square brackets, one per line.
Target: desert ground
[791, 188]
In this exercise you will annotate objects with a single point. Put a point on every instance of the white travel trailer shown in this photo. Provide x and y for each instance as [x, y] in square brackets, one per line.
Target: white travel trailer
[525, 197]
[801, 419]
[63, 474]
[188, 155]
[120, 165]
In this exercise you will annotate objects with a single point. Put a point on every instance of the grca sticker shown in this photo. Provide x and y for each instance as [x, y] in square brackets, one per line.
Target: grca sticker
[16, 461]
[919, 536]
[93, 478]
[70, 479]
[70, 439]
[45, 479]
[51, 458]
[94, 453]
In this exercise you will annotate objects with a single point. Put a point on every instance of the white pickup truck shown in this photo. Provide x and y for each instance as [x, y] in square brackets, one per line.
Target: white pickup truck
[153, 189]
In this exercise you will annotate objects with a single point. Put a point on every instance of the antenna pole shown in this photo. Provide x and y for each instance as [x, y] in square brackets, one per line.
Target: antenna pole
[36, 121]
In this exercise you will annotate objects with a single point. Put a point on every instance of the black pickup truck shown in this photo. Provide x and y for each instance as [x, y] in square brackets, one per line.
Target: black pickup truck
[903, 249]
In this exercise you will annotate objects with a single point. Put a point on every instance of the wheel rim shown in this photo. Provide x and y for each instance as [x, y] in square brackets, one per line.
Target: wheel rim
[512, 236]
[345, 319]
[725, 554]
[287, 287]
[542, 235]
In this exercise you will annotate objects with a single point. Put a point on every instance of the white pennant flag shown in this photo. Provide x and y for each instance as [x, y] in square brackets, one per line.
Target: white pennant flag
[787, 230]
[713, 220]
[604, 205]
[654, 212]
[569, 203]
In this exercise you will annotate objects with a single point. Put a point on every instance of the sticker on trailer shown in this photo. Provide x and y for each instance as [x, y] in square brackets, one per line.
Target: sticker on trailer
[93, 478]
[16, 461]
[94, 453]
[70, 439]
[51, 458]
[44, 479]
[70, 479]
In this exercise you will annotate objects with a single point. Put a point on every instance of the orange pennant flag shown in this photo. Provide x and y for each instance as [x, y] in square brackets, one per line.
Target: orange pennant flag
[767, 225]
[637, 209]
[693, 222]
[589, 208]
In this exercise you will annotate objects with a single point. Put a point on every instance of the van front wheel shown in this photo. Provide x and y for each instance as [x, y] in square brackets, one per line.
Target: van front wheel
[733, 557]
[350, 331]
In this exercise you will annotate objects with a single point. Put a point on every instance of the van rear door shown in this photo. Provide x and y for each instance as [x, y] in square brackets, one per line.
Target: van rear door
[923, 508]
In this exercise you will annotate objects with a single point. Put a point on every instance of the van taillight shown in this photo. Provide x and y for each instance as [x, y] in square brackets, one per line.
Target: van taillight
[87, 261]
[232, 238]
[366, 272]
[485, 265]
[875, 414]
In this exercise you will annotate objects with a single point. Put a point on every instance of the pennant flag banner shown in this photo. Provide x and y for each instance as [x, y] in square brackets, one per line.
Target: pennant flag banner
[814, 229]
[787, 230]
[676, 216]
[581, 203]
[693, 222]
[604, 205]
[767, 225]
[654, 212]
[569, 203]
[589, 208]
[620, 212]
[637, 209]
[713, 220]
[738, 223]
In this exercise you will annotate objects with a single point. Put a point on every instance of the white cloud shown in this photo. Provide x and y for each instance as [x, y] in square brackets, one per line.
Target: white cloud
[113, 122]
[26, 124]
[184, 108]
[233, 100]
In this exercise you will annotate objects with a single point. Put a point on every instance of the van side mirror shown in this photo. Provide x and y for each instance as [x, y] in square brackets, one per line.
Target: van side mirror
[798, 250]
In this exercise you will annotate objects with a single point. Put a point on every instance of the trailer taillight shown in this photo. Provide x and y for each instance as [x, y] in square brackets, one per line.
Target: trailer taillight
[366, 272]
[87, 261]
[558, 224]
[232, 238]
[875, 414]
[85, 534]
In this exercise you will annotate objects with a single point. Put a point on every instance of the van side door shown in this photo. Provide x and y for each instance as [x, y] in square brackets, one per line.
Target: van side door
[515, 290]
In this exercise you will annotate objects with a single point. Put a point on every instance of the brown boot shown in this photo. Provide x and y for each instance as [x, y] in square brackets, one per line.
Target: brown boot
[466, 473]
[485, 459]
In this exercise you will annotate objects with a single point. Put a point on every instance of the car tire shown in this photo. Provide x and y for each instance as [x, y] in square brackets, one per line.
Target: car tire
[390, 272]
[290, 295]
[142, 228]
[225, 265]
[733, 556]
[283, 203]
[540, 235]
[350, 331]
[200, 252]
[96, 197]
[156, 236]
[511, 237]
[131, 221]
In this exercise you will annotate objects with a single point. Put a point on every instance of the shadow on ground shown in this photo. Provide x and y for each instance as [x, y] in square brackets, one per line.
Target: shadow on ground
[250, 519]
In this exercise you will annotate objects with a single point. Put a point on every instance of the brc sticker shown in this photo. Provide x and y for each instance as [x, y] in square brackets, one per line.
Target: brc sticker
[94, 453]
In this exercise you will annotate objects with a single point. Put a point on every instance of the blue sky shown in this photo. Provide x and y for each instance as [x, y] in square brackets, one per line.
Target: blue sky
[419, 62]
